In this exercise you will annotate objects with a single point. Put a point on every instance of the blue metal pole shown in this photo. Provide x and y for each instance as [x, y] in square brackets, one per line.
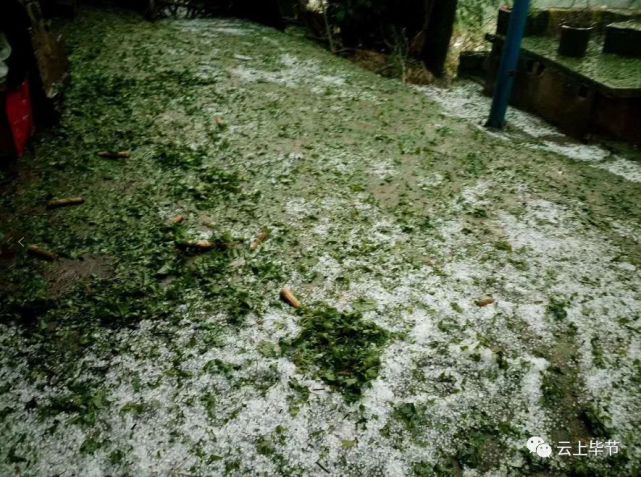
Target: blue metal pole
[508, 65]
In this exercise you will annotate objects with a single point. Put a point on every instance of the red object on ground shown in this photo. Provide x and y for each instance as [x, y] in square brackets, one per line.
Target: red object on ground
[20, 116]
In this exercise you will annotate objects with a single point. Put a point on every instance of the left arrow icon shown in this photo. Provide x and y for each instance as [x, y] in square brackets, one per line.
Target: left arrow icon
[20, 242]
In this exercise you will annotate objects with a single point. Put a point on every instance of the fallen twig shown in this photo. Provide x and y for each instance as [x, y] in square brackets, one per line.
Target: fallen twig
[114, 154]
[288, 297]
[39, 252]
[260, 239]
[55, 203]
[179, 219]
[322, 467]
[484, 301]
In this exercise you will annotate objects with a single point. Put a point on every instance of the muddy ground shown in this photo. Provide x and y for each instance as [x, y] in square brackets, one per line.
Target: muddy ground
[462, 290]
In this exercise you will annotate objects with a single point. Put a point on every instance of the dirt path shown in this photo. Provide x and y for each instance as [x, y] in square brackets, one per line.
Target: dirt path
[392, 217]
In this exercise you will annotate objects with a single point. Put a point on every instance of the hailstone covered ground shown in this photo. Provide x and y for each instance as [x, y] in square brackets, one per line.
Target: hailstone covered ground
[462, 290]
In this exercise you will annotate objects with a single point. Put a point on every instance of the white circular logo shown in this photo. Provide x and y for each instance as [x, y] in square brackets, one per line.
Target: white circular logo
[534, 442]
[544, 450]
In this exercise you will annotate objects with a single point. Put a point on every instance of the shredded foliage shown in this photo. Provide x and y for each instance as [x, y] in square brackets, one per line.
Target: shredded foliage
[343, 349]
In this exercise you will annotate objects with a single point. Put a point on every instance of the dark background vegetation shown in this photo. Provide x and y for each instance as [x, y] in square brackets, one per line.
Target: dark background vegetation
[418, 28]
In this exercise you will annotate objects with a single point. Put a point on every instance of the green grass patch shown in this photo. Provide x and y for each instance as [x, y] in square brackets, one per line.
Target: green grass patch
[342, 349]
[557, 308]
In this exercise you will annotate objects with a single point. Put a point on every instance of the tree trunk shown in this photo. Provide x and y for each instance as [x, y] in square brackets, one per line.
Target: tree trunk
[438, 32]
